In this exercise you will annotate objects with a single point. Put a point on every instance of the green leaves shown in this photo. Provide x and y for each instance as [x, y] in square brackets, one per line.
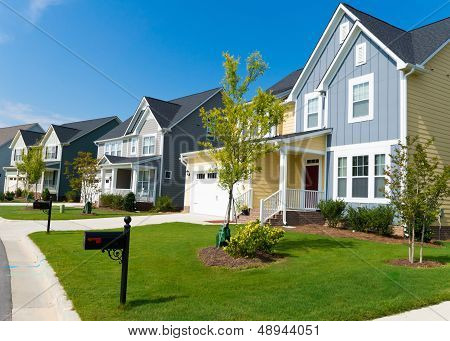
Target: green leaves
[32, 165]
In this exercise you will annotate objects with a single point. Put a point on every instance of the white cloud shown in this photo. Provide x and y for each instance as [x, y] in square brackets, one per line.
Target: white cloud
[37, 7]
[13, 113]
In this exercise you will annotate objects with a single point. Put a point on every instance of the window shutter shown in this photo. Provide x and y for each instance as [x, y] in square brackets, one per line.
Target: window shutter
[344, 28]
[56, 152]
[360, 57]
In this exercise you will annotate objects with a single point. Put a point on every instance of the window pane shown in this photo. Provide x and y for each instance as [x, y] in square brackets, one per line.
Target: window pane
[379, 164]
[379, 187]
[313, 105]
[361, 108]
[342, 187]
[342, 166]
[313, 120]
[360, 187]
[361, 92]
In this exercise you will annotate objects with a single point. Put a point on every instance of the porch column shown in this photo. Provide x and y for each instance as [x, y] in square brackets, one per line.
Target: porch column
[113, 180]
[102, 179]
[283, 181]
[134, 183]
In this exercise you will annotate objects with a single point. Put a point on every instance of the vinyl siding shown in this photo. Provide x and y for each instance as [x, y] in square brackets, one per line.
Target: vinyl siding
[288, 125]
[149, 127]
[429, 109]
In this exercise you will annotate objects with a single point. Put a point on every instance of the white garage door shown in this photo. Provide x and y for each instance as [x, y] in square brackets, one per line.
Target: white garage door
[207, 197]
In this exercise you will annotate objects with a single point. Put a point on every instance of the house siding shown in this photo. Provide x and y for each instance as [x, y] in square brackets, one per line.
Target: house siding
[149, 127]
[428, 106]
[288, 125]
[319, 70]
[386, 121]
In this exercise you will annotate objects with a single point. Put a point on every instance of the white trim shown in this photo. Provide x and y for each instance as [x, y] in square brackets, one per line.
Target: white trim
[143, 138]
[403, 107]
[362, 146]
[343, 26]
[130, 143]
[363, 48]
[307, 98]
[320, 187]
[383, 147]
[329, 30]
[351, 83]
[294, 149]
[139, 109]
[165, 175]
[435, 52]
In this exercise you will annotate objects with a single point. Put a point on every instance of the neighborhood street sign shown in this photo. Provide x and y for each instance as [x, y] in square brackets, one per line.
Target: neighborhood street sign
[103, 240]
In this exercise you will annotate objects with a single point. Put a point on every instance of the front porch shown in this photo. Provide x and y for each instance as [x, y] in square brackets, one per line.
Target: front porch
[292, 179]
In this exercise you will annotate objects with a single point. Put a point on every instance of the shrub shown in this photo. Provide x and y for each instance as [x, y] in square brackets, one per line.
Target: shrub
[254, 238]
[117, 202]
[106, 200]
[30, 195]
[129, 202]
[46, 194]
[9, 196]
[163, 204]
[72, 196]
[18, 193]
[418, 230]
[332, 211]
[2, 196]
[377, 220]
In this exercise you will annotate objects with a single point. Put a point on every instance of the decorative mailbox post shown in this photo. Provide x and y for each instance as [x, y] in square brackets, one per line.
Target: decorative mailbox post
[117, 244]
[46, 207]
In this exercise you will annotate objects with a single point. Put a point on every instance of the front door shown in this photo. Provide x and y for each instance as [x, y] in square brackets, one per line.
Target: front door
[311, 196]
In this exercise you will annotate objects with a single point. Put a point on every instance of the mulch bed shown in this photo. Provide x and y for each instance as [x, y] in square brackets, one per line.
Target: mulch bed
[213, 256]
[424, 264]
[344, 233]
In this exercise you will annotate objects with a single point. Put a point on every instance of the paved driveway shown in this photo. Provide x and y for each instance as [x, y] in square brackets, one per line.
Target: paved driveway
[5, 286]
[36, 292]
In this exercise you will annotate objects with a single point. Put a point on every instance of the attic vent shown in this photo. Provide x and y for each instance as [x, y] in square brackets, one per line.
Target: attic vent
[360, 54]
[344, 28]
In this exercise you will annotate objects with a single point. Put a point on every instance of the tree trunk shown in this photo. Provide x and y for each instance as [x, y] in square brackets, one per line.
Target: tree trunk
[408, 228]
[413, 238]
[421, 241]
[230, 202]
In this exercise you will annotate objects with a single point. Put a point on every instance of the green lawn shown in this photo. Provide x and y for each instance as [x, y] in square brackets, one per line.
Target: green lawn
[319, 279]
[27, 213]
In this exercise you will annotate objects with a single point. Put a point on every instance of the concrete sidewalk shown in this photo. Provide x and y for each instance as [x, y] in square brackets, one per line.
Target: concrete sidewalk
[438, 312]
[36, 291]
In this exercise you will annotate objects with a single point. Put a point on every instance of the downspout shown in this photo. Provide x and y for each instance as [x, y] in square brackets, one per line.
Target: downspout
[163, 132]
[405, 104]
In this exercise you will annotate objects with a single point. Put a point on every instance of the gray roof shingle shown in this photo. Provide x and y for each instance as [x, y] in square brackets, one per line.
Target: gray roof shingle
[31, 138]
[167, 113]
[411, 46]
[7, 133]
[122, 159]
[282, 88]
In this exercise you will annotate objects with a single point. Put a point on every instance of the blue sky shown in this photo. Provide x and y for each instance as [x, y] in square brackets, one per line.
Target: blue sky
[163, 49]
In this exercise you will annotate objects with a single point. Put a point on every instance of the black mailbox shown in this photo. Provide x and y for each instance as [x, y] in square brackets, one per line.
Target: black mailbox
[103, 240]
[41, 205]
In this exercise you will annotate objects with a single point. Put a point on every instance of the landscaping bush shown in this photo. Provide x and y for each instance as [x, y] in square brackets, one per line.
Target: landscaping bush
[2, 196]
[376, 220]
[106, 200]
[117, 202]
[30, 195]
[9, 196]
[72, 196]
[254, 238]
[333, 211]
[18, 193]
[46, 194]
[129, 202]
[163, 204]
[418, 230]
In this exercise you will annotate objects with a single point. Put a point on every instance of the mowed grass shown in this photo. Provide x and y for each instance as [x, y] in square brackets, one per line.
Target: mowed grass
[70, 213]
[319, 279]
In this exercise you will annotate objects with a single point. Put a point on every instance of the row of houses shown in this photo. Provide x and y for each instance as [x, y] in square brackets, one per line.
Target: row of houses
[366, 86]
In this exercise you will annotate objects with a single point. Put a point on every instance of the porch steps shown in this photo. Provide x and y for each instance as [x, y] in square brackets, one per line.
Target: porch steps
[254, 214]
[298, 218]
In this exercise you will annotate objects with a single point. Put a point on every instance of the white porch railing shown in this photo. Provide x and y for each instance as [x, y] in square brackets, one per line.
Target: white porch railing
[270, 206]
[296, 199]
[244, 199]
[301, 199]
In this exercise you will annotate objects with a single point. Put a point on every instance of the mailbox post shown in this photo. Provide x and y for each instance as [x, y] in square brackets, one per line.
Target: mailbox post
[46, 207]
[117, 244]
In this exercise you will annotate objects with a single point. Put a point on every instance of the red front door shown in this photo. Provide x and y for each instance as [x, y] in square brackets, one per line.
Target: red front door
[312, 178]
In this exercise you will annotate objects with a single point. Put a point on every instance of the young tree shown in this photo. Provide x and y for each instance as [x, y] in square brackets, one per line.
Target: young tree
[416, 188]
[82, 175]
[32, 166]
[240, 127]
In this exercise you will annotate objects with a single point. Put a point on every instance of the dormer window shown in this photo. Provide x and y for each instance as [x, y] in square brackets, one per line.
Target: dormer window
[344, 28]
[51, 152]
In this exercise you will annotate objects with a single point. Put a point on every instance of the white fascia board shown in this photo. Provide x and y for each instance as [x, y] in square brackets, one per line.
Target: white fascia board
[138, 109]
[345, 48]
[332, 24]
[301, 137]
[48, 133]
[363, 146]
[14, 140]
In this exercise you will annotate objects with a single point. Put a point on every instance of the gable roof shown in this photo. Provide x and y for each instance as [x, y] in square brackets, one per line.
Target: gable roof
[412, 46]
[122, 159]
[7, 133]
[69, 132]
[282, 88]
[167, 113]
[31, 138]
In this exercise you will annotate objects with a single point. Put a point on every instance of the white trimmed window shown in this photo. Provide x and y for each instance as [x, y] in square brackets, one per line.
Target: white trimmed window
[18, 154]
[379, 180]
[133, 145]
[51, 152]
[342, 177]
[149, 145]
[360, 100]
[360, 54]
[114, 148]
[108, 149]
[312, 111]
[168, 175]
[344, 28]
[360, 176]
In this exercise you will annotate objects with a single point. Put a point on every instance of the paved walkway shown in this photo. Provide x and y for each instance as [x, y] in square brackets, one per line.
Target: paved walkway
[5, 286]
[36, 291]
[438, 312]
